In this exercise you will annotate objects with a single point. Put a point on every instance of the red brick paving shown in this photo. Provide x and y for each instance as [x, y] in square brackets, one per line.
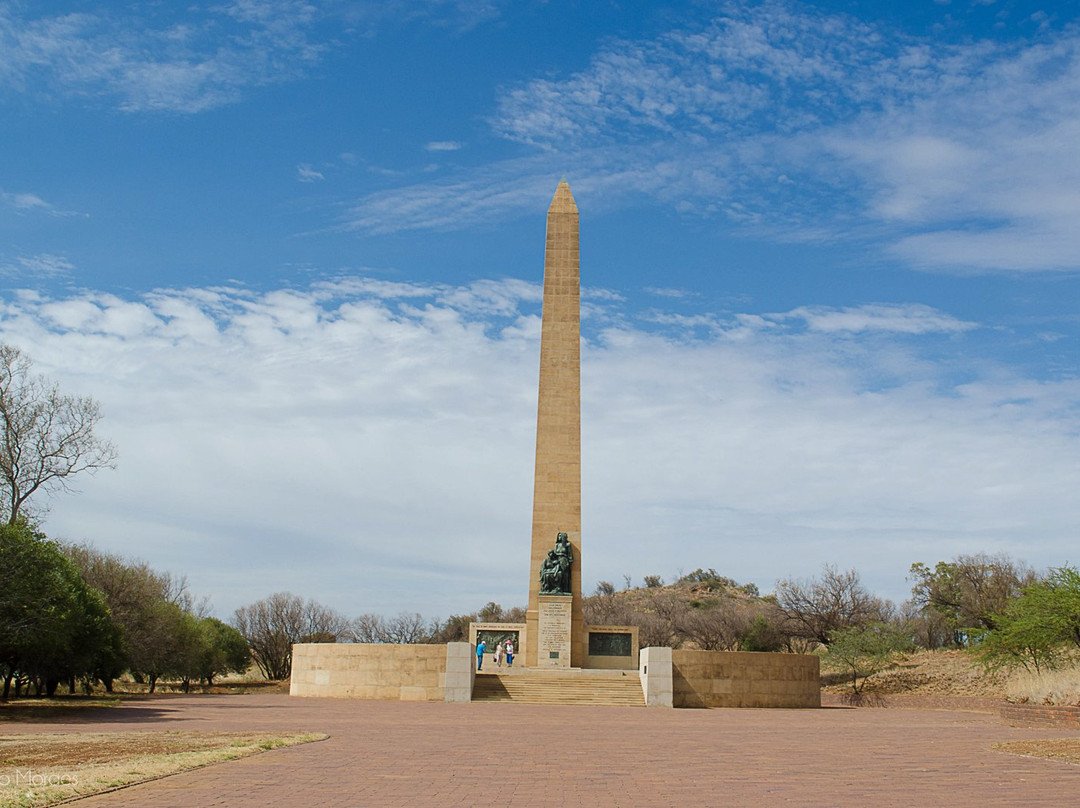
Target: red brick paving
[420, 754]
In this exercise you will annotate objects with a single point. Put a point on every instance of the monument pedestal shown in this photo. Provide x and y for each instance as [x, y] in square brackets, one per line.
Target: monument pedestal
[553, 634]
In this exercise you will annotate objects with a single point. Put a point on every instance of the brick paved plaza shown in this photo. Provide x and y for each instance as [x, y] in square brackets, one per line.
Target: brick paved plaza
[418, 754]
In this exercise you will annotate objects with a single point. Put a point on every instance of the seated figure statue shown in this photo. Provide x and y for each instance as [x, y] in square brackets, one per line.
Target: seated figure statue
[550, 575]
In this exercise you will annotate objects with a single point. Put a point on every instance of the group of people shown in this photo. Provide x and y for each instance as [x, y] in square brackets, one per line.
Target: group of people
[501, 649]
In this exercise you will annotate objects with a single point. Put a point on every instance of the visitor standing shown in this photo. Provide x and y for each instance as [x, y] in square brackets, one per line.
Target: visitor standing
[480, 649]
[510, 653]
[498, 654]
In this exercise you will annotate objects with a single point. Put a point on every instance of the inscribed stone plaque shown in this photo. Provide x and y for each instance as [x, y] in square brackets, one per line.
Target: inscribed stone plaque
[610, 643]
[553, 648]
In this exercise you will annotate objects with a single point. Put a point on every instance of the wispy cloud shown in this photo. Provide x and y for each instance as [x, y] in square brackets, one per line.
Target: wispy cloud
[401, 410]
[193, 58]
[486, 195]
[184, 64]
[902, 319]
[30, 203]
[776, 117]
[24, 202]
[443, 146]
[43, 265]
[305, 173]
[668, 292]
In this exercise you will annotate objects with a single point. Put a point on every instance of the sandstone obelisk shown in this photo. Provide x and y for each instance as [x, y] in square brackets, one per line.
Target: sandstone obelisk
[557, 484]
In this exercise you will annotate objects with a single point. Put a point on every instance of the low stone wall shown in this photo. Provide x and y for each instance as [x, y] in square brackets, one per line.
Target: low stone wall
[369, 671]
[745, 679]
[1040, 715]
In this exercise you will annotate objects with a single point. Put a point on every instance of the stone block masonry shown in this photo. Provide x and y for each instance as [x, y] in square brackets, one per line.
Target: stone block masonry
[557, 480]
[374, 671]
[745, 679]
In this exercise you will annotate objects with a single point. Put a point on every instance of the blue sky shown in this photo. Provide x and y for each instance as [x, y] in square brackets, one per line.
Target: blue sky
[830, 262]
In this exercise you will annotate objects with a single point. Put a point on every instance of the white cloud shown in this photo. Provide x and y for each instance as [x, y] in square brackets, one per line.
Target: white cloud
[371, 443]
[443, 146]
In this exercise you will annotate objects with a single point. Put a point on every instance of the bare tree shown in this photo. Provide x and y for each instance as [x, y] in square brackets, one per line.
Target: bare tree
[407, 628]
[273, 624]
[719, 627]
[45, 437]
[816, 608]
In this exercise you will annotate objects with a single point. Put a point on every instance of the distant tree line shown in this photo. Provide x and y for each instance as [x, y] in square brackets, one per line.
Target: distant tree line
[70, 614]
[272, 625]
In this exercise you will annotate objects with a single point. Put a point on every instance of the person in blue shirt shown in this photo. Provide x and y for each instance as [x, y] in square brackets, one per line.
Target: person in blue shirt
[480, 649]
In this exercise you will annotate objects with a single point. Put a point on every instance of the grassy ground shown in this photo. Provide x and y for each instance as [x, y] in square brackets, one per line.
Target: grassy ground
[39, 770]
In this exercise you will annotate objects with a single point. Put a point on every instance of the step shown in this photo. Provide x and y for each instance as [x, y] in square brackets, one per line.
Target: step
[551, 687]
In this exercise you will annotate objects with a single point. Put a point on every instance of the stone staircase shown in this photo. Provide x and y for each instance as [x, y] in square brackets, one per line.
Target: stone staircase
[532, 686]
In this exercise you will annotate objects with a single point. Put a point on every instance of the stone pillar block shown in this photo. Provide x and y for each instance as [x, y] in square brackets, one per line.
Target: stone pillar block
[460, 671]
[657, 682]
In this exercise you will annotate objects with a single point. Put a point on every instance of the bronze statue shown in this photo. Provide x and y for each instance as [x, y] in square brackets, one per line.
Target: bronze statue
[555, 571]
[550, 575]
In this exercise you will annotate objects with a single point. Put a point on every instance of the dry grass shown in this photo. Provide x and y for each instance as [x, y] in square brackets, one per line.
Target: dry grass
[1060, 687]
[1066, 750]
[957, 673]
[39, 770]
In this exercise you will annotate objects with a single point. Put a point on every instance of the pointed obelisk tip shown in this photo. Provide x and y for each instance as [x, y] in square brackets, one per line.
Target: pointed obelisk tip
[563, 201]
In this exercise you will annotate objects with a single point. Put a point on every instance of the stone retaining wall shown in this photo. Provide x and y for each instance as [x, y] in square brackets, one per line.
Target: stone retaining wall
[745, 679]
[369, 671]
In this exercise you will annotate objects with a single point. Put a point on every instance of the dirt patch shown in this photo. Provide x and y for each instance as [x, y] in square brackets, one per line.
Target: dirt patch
[39, 770]
[928, 673]
[1066, 750]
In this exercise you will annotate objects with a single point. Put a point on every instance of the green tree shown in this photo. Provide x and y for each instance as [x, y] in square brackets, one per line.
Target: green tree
[53, 627]
[865, 650]
[176, 646]
[1018, 640]
[763, 635]
[1055, 602]
[1035, 627]
[970, 590]
[224, 650]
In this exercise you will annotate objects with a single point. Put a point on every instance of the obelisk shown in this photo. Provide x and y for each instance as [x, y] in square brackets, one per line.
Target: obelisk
[557, 481]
